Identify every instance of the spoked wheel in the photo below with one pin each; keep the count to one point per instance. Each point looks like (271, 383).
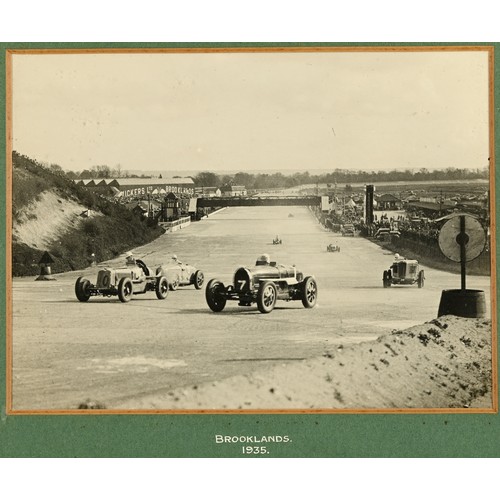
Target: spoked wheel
(309, 292)
(82, 291)
(199, 279)
(266, 297)
(161, 287)
(214, 295)
(125, 289)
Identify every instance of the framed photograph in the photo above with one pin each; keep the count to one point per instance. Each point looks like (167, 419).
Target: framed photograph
(225, 250)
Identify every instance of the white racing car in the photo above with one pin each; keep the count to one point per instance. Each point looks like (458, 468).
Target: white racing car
(180, 274)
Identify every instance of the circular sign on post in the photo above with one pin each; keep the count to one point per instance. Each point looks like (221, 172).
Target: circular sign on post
(450, 238)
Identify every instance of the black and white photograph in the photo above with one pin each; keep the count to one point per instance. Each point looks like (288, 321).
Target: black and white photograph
(251, 230)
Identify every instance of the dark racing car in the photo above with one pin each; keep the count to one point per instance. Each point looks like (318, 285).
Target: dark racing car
(263, 284)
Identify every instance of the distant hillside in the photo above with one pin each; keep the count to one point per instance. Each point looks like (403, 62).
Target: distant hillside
(51, 213)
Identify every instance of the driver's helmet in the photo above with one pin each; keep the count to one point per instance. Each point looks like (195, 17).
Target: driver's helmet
(174, 257)
(263, 259)
(129, 258)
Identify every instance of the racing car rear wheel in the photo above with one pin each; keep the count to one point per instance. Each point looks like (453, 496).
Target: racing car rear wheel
(214, 295)
(266, 297)
(125, 289)
(198, 279)
(309, 292)
(161, 287)
(421, 279)
(82, 291)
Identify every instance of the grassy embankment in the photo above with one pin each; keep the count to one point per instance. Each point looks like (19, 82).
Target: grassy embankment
(108, 235)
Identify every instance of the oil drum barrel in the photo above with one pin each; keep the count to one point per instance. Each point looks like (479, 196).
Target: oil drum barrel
(463, 303)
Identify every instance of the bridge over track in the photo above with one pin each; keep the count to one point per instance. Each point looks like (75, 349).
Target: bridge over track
(268, 201)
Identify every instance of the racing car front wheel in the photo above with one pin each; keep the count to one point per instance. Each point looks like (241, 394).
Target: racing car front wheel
(421, 279)
(309, 292)
(266, 297)
(161, 287)
(386, 279)
(198, 279)
(214, 295)
(125, 289)
(82, 291)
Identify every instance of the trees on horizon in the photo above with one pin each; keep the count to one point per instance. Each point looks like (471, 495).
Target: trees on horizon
(280, 180)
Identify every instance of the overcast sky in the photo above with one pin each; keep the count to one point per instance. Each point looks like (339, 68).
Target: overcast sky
(253, 111)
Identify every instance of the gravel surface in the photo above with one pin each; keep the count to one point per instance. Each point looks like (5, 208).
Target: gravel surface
(445, 363)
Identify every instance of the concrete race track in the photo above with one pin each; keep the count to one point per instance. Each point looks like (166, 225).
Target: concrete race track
(65, 352)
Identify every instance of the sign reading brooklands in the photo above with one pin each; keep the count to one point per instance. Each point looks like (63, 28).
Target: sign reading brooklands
(149, 189)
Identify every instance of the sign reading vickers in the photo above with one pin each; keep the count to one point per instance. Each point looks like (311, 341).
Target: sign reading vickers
(145, 190)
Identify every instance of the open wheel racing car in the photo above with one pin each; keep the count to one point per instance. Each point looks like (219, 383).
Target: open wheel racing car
(123, 282)
(263, 284)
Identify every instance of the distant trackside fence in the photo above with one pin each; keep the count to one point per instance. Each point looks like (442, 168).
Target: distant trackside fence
(175, 225)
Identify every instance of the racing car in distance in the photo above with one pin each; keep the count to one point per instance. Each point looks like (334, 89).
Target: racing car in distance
(264, 284)
(122, 282)
(348, 230)
(179, 274)
(333, 248)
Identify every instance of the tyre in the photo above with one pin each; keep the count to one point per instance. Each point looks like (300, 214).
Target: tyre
(214, 295)
(125, 289)
(385, 279)
(199, 279)
(82, 289)
(421, 279)
(266, 297)
(174, 284)
(161, 287)
(309, 292)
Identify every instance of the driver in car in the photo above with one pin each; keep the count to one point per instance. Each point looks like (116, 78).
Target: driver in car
(129, 259)
(263, 260)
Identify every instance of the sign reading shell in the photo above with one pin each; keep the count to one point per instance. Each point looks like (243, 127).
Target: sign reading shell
(450, 237)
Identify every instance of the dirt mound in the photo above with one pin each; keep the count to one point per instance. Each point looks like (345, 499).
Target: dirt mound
(43, 221)
(445, 363)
